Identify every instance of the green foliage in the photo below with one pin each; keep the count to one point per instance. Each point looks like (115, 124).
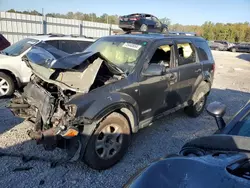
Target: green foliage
(237, 32)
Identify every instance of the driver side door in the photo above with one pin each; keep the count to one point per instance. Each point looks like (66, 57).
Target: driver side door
(154, 91)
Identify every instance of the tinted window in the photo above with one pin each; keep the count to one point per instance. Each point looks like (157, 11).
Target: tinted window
(20, 47)
(204, 51)
(242, 128)
(69, 46)
(84, 44)
(53, 43)
(186, 53)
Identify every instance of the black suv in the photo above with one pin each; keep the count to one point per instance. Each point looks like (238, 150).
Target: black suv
(142, 22)
(90, 103)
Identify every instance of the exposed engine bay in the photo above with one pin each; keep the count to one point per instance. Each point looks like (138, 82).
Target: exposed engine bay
(44, 99)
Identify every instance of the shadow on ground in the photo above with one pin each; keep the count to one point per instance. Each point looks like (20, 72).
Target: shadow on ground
(163, 137)
(244, 56)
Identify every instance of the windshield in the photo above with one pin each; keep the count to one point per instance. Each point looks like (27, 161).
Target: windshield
(121, 52)
(19, 47)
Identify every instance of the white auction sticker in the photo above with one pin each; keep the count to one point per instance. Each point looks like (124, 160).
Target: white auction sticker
(131, 46)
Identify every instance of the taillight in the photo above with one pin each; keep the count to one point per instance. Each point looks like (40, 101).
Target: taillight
(213, 68)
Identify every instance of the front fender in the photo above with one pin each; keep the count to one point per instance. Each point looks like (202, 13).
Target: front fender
(104, 105)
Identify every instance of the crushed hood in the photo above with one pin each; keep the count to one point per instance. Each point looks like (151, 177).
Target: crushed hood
(75, 72)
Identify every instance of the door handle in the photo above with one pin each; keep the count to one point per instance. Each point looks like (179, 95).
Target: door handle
(197, 70)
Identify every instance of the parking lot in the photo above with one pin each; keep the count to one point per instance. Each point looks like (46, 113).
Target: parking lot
(231, 86)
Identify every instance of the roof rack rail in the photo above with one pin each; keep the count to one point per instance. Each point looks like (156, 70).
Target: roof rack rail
(63, 35)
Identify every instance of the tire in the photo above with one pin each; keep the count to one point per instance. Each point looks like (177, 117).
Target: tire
(233, 50)
(165, 30)
(104, 139)
(7, 85)
(144, 28)
(194, 110)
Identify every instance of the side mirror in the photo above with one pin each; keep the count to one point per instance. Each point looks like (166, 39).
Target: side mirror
(154, 70)
(217, 110)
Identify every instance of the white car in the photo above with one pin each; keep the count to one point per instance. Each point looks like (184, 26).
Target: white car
(14, 72)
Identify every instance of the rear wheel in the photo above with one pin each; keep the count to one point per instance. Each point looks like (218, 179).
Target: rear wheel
(144, 28)
(109, 142)
(196, 109)
(165, 30)
(7, 85)
(233, 50)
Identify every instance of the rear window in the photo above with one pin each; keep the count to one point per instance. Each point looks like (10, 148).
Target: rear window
(204, 51)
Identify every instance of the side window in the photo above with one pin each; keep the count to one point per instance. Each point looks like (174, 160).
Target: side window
(84, 44)
(148, 17)
(54, 43)
(204, 51)
(162, 55)
(69, 46)
(186, 54)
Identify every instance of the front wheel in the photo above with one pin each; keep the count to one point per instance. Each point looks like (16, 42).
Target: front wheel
(109, 142)
(233, 50)
(196, 109)
(7, 85)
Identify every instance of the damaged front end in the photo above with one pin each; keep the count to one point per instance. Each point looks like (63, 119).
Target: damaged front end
(45, 99)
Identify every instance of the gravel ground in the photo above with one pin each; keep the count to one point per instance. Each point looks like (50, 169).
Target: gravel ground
(231, 86)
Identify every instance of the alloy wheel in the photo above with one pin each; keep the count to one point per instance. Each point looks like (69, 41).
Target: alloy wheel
(4, 86)
(109, 141)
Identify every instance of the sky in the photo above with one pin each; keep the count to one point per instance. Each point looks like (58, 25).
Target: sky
(185, 12)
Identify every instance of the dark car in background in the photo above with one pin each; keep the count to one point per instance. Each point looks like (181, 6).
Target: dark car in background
(225, 43)
(4, 43)
(241, 47)
(142, 22)
(220, 160)
(217, 46)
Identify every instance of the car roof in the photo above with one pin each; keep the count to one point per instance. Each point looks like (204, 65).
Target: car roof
(50, 37)
(144, 14)
(154, 37)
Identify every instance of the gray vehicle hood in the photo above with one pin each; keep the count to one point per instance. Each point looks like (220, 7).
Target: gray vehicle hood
(75, 72)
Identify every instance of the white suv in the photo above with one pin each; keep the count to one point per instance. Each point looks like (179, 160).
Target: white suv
(14, 72)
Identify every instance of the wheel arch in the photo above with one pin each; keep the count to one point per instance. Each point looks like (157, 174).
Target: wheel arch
(124, 109)
(12, 75)
(203, 87)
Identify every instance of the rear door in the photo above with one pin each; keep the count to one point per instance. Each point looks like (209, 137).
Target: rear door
(189, 68)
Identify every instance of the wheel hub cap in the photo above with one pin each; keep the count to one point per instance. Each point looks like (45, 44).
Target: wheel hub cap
(109, 141)
(4, 87)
